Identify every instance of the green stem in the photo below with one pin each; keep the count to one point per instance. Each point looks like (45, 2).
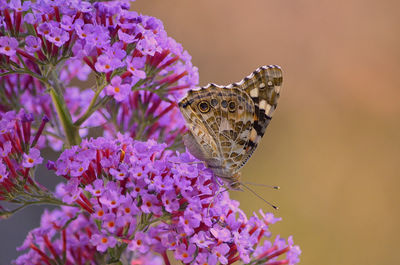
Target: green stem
(71, 132)
(92, 107)
(56, 93)
(26, 71)
(47, 201)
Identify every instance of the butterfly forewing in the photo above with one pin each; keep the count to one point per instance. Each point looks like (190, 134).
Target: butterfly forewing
(226, 123)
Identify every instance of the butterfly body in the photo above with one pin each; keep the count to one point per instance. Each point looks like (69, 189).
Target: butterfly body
(227, 122)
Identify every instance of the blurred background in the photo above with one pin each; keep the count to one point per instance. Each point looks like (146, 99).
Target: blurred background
(333, 145)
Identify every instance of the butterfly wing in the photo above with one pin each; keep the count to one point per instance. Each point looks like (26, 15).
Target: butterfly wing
(226, 123)
(199, 140)
(263, 87)
(225, 115)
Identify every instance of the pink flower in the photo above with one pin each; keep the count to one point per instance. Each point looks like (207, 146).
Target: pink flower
(140, 243)
(118, 90)
(185, 254)
(8, 45)
(220, 251)
(103, 242)
(32, 159)
(135, 65)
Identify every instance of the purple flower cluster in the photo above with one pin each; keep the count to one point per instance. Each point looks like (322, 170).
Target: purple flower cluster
(64, 235)
(108, 37)
(18, 153)
(144, 70)
(141, 195)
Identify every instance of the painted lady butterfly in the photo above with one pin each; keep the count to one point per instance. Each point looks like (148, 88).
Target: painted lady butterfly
(227, 122)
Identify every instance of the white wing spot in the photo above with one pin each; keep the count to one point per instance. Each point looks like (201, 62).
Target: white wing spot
(270, 83)
(254, 92)
(262, 85)
(263, 104)
(268, 110)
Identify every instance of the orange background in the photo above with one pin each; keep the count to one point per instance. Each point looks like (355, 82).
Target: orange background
(333, 145)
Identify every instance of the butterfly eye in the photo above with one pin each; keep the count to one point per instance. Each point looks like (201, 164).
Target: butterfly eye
(232, 106)
(203, 106)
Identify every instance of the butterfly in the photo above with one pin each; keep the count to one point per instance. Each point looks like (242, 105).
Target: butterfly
(226, 123)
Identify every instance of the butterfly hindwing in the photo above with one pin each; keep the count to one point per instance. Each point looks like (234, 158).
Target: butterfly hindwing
(199, 140)
(226, 114)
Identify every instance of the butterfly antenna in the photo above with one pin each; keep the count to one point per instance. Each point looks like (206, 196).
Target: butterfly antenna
(262, 185)
(255, 193)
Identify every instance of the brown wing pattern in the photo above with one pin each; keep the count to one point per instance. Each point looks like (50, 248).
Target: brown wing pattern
(263, 86)
(226, 123)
